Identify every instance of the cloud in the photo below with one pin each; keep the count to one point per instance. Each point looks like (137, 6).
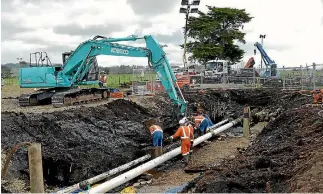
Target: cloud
(152, 7)
(9, 29)
(56, 26)
(91, 30)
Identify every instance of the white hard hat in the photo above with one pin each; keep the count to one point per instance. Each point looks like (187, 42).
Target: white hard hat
(183, 121)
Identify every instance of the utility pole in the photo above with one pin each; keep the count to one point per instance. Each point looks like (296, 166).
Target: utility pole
(187, 10)
(262, 36)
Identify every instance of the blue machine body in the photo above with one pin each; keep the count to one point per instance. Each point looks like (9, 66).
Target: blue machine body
(271, 66)
(77, 65)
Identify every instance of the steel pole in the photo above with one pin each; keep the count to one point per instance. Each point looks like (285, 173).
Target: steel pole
(185, 38)
(314, 76)
(262, 43)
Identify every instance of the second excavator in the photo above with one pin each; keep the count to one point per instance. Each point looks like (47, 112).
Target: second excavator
(59, 84)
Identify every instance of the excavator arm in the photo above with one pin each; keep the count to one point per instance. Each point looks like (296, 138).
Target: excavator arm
(78, 64)
(270, 64)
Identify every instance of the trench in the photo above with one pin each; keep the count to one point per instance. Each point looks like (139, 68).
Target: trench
(81, 143)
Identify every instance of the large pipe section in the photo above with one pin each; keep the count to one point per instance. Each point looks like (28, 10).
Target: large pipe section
(127, 176)
(105, 175)
(114, 171)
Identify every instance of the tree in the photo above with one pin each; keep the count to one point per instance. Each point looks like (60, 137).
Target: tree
(214, 34)
(5, 71)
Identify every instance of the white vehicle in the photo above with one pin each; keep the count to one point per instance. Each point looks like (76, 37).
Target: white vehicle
(216, 68)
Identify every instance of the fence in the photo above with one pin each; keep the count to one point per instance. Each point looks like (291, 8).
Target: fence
(143, 81)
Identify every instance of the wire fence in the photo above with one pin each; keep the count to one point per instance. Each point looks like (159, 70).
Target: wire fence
(143, 81)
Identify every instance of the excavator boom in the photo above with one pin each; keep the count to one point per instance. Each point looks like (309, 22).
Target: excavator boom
(78, 63)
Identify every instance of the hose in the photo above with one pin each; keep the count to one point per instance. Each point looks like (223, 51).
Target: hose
(9, 157)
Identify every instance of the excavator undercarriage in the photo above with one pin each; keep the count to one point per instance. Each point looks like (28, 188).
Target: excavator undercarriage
(60, 98)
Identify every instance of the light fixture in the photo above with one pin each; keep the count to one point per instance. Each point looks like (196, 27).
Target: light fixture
(184, 2)
(182, 10)
(196, 2)
(194, 10)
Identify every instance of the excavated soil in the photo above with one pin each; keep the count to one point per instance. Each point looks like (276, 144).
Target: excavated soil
(79, 144)
(82, 142)
(285, 157)
(265, 104)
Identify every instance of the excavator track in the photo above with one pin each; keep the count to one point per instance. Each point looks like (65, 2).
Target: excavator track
(36, 98)
(79, 96)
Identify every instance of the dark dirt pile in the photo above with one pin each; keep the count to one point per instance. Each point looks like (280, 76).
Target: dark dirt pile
(78, 144)
(285, 157)
(230, 103)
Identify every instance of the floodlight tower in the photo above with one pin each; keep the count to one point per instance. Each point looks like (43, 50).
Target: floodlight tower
(262, 36)
(188, 8)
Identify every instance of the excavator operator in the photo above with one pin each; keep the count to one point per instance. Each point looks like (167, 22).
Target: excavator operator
(102, 79)
(185, 132)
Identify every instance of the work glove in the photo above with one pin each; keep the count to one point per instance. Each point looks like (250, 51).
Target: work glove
(169, 139)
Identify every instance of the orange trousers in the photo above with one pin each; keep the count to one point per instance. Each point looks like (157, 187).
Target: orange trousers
(185, 146)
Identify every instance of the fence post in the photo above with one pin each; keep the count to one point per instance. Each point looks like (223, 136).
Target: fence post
(302, 76)
(284, 77)
(314, 75)
(246, 123)
(35, 168)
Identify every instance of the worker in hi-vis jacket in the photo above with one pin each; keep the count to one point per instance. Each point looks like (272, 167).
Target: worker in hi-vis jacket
(202, 122)
(185, 132)
(157, 138)
(157, 133)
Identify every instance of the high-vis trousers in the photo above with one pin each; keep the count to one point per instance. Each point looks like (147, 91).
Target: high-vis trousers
(185, 146)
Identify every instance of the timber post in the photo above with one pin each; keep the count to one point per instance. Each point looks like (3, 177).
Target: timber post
(246, 122)
(35, 168)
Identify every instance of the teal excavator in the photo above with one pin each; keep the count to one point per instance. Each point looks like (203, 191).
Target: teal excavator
(58, 85)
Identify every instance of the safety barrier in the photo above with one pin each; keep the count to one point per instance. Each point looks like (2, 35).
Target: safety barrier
(117, 95)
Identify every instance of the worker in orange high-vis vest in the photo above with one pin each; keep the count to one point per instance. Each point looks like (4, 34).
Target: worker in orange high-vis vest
(202, 122)
(157, 133)
(185, 132)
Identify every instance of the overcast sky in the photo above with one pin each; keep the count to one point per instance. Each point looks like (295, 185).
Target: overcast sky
(294, 28)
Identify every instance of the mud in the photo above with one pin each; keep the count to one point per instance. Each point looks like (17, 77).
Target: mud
(277, 161)
(265, 104)
(78, 144)
(82, 142)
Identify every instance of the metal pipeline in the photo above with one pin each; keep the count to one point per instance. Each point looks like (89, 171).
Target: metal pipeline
(105, 175)
(127, 176)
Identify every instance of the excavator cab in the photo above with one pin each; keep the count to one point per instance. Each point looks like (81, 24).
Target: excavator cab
(40, 59)
(93, 73)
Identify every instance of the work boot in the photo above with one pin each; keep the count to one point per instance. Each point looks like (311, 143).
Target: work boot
(154, 152)
(186, 159)
(159, 151)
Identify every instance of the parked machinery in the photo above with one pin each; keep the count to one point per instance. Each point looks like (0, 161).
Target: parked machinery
(61, 82)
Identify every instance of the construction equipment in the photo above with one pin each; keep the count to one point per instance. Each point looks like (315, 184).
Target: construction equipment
(250, 63)
(271, 66)
(318, 96)
(61, 82)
